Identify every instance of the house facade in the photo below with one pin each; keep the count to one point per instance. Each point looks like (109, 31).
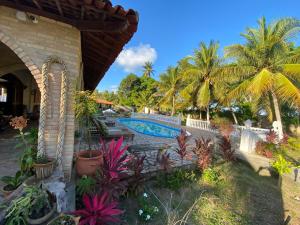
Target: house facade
(49, 49)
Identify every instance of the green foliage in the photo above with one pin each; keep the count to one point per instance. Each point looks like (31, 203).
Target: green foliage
(108, 96)
(85, 185)
(148, 69)
(85, 108)
(148, 207)
(211, 176)
(14, 182)
(177, 179)
(137, 92)
(281, 165)
(33, 199)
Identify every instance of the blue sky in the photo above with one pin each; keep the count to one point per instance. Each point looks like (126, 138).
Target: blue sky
(171, 29)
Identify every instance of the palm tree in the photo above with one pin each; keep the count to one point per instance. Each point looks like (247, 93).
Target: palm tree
(202, 76)
(169, 87)
(148, 69)
(267, 67)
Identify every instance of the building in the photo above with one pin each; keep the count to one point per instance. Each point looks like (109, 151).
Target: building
(49, 49)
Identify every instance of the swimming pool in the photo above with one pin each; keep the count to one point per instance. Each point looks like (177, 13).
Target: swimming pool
(150, 128)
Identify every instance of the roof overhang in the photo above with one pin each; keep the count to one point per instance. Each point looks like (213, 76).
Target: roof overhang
(104, 29)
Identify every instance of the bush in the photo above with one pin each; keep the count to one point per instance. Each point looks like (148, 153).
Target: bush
(177, 179)
(210, 176)
(203, 150)
(226, 149)
(148, 207)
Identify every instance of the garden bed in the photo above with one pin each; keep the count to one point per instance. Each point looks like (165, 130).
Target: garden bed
(238, 196)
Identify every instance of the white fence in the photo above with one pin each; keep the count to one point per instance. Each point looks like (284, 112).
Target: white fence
(204, 125)
(200, 124)
(162, 118)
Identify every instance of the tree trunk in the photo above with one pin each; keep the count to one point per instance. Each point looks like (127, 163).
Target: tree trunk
(234, 117)
(207, 114)
(277, 114)
(200, 115)
(173, 106)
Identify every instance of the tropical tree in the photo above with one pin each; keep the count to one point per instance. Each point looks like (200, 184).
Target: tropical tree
(202, 76)
(267, 66)
(148, 69)
(169, 88)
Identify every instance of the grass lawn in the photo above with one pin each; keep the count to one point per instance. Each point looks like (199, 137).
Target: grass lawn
(237, 196)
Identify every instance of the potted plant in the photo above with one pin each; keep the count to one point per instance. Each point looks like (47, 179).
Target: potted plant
(35, 206)
(43, 167)
(87, 161)
(12, 183)
(29, 160)
(65, 220)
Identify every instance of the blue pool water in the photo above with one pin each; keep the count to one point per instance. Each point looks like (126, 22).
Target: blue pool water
(150, 128)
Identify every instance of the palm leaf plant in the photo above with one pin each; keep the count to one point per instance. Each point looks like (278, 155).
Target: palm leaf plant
(267, 66)
(202, 76)
(169, 88)
(148, 70)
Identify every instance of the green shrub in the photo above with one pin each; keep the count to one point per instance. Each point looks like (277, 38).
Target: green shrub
(85, 185)
(210, 176)
(148, 207)
(177, 179)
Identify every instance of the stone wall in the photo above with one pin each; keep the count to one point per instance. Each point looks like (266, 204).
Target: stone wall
(33, 43)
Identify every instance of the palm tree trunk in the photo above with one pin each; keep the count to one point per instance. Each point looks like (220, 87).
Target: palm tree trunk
(200, 115)
(234, 117)
(207, 114)
(173, 106)
(277, 114)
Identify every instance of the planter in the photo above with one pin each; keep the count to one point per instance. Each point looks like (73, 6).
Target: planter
(43, 171)
(63, 219)
(43, 219)
(6, 193)
(86, 165)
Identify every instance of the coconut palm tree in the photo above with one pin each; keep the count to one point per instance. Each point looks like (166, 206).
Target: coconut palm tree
(267, 66)
(148, 69)
(169, 88)
(202, 76)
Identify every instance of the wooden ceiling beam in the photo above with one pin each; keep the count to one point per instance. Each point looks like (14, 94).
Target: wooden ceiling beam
(59, 7)
(37, 4)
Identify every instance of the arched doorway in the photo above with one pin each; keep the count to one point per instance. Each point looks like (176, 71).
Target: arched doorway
(19, 95)
(19, 92)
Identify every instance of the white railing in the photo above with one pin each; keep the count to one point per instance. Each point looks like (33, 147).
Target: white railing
(204, 125)
(158, 117)
(200, 124)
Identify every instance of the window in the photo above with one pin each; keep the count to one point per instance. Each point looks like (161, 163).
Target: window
(3, 94)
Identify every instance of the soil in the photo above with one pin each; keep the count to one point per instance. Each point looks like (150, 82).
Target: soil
(9, 188)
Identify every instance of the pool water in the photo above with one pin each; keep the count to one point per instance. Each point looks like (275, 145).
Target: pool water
(150, 128)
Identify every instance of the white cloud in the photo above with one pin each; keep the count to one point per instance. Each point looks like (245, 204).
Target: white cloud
(134, 58)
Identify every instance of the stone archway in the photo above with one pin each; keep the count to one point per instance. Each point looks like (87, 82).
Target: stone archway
(12, 45)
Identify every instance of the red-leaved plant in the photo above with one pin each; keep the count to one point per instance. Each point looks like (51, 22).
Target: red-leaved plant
(182, 145)
(271, 137)
(114, 168)
(203, 150)
(164, 161)
(226, 149)
(136, 165)
(98, 210)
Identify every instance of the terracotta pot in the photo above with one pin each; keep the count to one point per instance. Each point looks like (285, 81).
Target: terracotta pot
(6, 193)
(43, 219)
(86, 165)
(58, 219)
(43, 171)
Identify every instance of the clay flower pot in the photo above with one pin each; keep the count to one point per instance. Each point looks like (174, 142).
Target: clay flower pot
(43, 219)
(43, 170)
(5, 192)
(88, 162)
(64, 219)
